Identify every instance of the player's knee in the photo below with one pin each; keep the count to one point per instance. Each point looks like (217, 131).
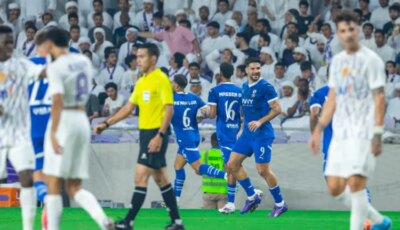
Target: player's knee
(335, 190)
(72, 190)
(26, 178)
(233, 166)
(263, 172)
(161, 181)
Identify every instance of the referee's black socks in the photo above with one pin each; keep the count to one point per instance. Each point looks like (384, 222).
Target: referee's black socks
(137, 201)
(168, 195)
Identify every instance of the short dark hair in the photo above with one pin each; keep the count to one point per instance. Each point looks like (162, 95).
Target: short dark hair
(99, 1)
(366, 1)
(213, 24)
(204, 8)
(75, 27)
(108, 51)
(379, 31)
(305, 66)
(395, 7)
(97, 15)
(265, 23)
(226, 70)
(31, 27)
(194, 64)
(58, 36)
(252, 60)
(171, 18)
(151, 48)
(181, 80)
(245, 37)
(241, 68)
(294, 38)
(187, 22)
(346, 16)
(5, 30)
(266, 37)
(129, 59)
(73, 15)
(178, 58)
(358, 12)
(111, 85)
(304, 3)
(47, 13)
(158, 14)
(40, 37)
(226, 1)
(88, 51)
(293, 23)
(391, 62)
(368, 24)
(279, 64)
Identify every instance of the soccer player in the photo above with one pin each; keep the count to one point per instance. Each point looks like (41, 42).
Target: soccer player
(154, 98)
(356, 103)
(187, 134)
(15, 140)
(260, 105)
(225, 101)
(67, 138)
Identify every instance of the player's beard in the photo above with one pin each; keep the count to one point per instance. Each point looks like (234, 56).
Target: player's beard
(255, 77)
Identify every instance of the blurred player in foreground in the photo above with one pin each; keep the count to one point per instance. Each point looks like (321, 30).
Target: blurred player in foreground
(356, 103)
(260, 105)
(153, 96)
(187, 134)
(15, 140)
(67, 140)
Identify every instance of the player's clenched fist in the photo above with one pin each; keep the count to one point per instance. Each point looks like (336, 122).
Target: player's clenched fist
(254, 125)
(315, 142)
(99, 128)
(376, 144)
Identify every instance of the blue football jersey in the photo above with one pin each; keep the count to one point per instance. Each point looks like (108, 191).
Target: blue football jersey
(227, 97)
(318, 99)
(184, 119)
(39, 103)
(255, 105)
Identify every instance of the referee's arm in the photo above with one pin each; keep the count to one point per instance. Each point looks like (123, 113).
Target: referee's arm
(156, 143)
(120, 115)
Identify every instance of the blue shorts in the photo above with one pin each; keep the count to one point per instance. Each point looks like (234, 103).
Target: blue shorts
(226, 149)
(38, 147)
(190, 153)
(262, 148)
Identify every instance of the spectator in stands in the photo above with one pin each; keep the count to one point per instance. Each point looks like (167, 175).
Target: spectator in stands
(307, 73)
(170, 6)
(301, 107)
(14, 17)
(96, 89)
(316, 46)
(123, 6)
(131, 75)
(180, 14)
(216, 57)
(386, 52)
(144, 18)
(288, 98)
(278, 78)
(263, 27)
(394, 13)
(212, 40)
(73, 20)
(292, 42)
(98, 8)
(230, 30)
(394, 40)
(364, 7)
(120, 33)
(176, 65)
(4, 22)
(114, 101)
(238, 17)
(380, 15)
(71, 7)
(242, 43)
(194, 74)
(268, 61)
(36, 8)
(185, 23)
(92, 107)
(111, 72)
(240, 76)
(251, 21)
(264, 40)
(197, 89)
(178, 38)
(74, 35)
(392, 79)
(196, 5)
(300, 55)
(304, 19)
(46, 18)
(98, 23)
(369, 39)
(100, 43)
(393, 109)
(126, 48)
(28, 47)
(200, 28)
(157, 22)
(223, 13)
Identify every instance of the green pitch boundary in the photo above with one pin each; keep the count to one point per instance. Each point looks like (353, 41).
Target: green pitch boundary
(77, 219)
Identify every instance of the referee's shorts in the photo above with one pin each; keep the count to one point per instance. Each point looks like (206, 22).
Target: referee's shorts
(151, 160)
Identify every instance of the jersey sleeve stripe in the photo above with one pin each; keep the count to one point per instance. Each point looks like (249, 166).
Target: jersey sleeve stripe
(273, 99)
(212, 103)
(315, 105)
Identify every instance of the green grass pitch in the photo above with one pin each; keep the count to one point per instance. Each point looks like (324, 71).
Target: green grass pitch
(77, 219)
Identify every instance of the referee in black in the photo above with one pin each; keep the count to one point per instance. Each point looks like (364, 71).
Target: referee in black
(154, 97)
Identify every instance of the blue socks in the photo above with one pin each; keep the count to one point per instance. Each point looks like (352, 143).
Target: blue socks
(41, 190)
(211, 171)
(179, 181)
(231, 193)
(247, 186)
(276, 194)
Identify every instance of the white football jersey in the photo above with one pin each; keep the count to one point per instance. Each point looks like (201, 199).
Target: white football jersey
(15, 75)
(71, 76)
(354, 76)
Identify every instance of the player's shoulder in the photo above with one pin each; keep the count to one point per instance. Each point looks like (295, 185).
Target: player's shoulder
(372, 58)
(321, 92)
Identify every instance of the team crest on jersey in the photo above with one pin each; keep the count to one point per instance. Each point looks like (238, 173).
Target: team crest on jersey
(253, 94)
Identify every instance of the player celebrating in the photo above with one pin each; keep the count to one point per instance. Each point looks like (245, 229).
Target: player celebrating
(187, 134)
(15, 141)
(67, 141)
(356, 102)
(224, 101)
(153, 96)
(260, 105)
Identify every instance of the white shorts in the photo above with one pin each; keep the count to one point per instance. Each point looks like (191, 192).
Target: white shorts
(21, 156)
(350, 157)
(73, 135)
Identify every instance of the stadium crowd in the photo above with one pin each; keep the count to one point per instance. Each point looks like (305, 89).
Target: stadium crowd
(294, 39)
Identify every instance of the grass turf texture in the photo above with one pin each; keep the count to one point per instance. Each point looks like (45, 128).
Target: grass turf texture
(77, 219)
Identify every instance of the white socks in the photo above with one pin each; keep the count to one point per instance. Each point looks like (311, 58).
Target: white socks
(344, 197)
(89, 203)
(374, 216)
(28, 207)
(359, 209)
(54, 208)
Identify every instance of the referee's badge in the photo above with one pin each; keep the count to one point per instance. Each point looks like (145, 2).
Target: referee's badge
(146, 96)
